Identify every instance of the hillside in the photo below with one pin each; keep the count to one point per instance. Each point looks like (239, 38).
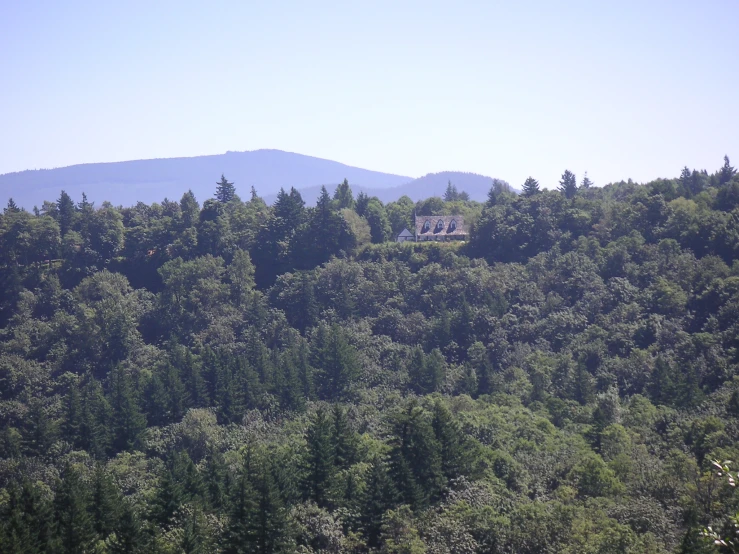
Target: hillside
(238, 377)
(433, 184)
(125, 183)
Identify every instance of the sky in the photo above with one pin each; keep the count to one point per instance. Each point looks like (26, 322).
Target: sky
(628, 89)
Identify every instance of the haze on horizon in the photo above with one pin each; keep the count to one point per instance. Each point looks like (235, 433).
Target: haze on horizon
(630, 89)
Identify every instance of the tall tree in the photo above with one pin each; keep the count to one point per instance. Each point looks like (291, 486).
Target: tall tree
(71, 508)
(586, 182)
(343, 197)
(530, 187)
(727, 172)
(225, 191)
(65, 212)
(568, 184)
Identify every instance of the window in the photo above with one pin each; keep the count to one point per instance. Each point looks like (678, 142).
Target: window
(453, 225)
(426, 226)
(440, 225)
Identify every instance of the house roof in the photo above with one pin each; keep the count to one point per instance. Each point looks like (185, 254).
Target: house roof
(446, 227)
(405, 233)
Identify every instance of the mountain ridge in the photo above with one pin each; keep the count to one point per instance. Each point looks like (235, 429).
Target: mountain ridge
(151, 180)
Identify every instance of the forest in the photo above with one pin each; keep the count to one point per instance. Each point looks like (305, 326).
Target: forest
(232, 377)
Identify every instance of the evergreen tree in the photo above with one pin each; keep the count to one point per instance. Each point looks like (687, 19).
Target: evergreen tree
(336, 362)
(319, 458)
(343, 197)
(415, 458)
(65, 213)
(96, 420)
(344, 440)
(379, 497)
(12, 207)
(270, 528)
(225, 191)
(530, 187)
(586, 182)
(568, 184)
(129, 423)
(74, 525)
(451, 194)
(106, 503)
(455, 454)
(239, 536)
(361, 204)
(726, 173)
(129, 537)
(379, 223)
(190, 209)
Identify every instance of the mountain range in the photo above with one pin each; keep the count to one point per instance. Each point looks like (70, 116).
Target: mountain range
(125, 183)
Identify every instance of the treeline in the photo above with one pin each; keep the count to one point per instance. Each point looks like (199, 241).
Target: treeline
(243, 378)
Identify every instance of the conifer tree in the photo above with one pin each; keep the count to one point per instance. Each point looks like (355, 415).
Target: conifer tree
(12, 207)
(225, 191)
(336, 362)
(530, 187)
(586, 182)
(343, 197)
(239, 536)
(451, 194)
(343, 439)
(129, 536)
(74, 526)
(379, 496)
(65, 213)
(319, 458)
(726, 173)
(106, 503)
(455, 454)
(568, 184)
(129, 423)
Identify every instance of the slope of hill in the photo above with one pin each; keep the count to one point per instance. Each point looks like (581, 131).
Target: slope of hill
(433, 184)
(125, 183)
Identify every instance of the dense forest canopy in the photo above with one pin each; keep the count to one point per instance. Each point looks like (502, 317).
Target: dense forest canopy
(233, 377)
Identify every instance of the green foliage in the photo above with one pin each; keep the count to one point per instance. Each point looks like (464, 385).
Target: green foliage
(243, 378)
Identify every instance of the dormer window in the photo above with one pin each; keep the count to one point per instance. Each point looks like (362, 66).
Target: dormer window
(426, 226)
(453, 226)
(440, 226)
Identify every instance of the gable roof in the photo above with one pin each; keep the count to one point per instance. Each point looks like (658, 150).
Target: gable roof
(446, 228)
(405, 233)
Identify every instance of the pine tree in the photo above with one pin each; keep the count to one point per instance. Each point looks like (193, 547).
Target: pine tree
(568, 184)
(319, 458)
(129, 423)
(238, 536)
(530, 187)
(586, 182)
(190, 209)
(343, 197)
(336, 362)
(455, 454)
(451, 194)
(74, 526)
(225, 191)
(361, 204)
(96, 420)
(129, 538)
(726, 173)
(344, 440)
(379, 496)
(106, 503)
(12, 207)
(415, 458)
(270, 529)
(65, 213)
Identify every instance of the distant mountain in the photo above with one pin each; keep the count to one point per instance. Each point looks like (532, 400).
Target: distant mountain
(433, 184)
(125, 183)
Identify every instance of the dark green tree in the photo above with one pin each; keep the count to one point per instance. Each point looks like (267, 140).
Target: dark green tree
(319, 458)
(225, 191)
(65, 213)
(568, 184)
(74, 524)
(530, 187)
(128, 422)
(343, 197)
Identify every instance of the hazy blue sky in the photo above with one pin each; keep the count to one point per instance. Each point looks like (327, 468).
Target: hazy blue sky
(508, 89)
